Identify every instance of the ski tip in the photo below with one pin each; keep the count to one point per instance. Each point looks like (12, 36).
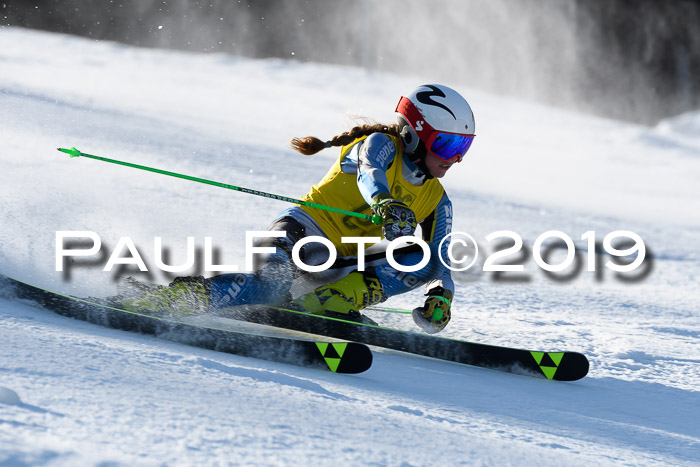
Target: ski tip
(572, 367)
(353, 357)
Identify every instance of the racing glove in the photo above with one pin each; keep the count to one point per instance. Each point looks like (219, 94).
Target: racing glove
(434, 315)
(398, 220)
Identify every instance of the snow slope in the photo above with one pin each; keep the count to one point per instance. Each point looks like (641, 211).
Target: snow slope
(73, 393)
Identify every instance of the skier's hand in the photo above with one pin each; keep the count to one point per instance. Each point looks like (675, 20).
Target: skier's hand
(398, 220)
(434, 315)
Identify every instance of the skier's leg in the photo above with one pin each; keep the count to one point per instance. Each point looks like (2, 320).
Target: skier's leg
(273, 275)
(396, 282)
(379, 281)
(196, 295)
(269, 284)
(348, 295)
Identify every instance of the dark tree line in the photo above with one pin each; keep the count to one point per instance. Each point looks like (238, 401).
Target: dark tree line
(632, 59)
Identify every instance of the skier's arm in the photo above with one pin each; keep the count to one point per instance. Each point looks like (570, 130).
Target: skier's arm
(434, 315)
(375, 156)
(435, 228)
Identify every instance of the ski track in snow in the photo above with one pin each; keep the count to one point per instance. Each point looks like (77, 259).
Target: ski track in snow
(74, 393)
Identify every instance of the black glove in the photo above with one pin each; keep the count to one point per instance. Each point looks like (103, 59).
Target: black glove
(398, 219)
(434, 315)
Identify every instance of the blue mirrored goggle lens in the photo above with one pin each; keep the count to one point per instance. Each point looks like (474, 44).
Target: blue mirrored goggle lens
(448, 145)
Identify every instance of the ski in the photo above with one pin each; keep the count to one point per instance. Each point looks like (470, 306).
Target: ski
(557, 365)
(337, 357)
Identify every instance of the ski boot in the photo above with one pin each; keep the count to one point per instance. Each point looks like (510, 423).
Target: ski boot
(344, 297)
(185, 296)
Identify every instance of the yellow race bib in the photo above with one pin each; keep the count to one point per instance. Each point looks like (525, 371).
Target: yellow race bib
(339, 190)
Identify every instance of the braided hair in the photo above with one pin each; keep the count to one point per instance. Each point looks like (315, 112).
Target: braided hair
(310, 145)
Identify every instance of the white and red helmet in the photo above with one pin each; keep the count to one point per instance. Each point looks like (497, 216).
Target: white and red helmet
(439, 117)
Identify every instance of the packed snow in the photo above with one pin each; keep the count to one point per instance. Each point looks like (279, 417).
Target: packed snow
(74, 393)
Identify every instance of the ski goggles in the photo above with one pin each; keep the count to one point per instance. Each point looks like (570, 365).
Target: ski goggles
(448, 145)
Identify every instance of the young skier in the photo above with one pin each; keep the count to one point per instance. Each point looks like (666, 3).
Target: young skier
(387, 170)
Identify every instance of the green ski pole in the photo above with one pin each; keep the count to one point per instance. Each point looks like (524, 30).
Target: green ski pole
(76, 153)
